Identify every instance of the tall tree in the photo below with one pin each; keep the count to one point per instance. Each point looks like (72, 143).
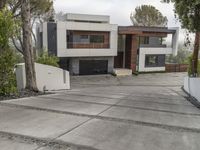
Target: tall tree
(24, 11)
(41, 10)
(147, 15)
(27, 46)
(188, 12)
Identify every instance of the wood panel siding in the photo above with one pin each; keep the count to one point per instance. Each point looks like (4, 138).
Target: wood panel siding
(118, 60)
(176, 67)
(134, 49)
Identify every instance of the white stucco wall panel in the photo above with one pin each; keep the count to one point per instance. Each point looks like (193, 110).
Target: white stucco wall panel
(153, 51)
(87, 17)
(62, 28)
(48, 77)
(175, 41)
(192, 86)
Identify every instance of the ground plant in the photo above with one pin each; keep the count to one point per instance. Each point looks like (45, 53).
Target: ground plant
(7, 75)
(191, 67)
(47, 59)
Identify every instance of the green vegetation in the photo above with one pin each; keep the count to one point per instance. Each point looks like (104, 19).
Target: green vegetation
(7, 56)
(188, 13)
(190, 72)
(180, 58)
(20, 17)
(7, 28)
(7, 75)
(47, 59)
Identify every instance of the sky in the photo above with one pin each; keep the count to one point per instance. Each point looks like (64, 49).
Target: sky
(118, 10)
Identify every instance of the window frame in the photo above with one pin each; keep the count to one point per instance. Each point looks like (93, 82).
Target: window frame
(159, 60)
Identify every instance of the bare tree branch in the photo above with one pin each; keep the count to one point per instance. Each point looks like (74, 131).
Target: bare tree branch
(15, 45)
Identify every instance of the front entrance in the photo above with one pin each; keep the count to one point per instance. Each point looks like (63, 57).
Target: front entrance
(93, 67)
(127, 52)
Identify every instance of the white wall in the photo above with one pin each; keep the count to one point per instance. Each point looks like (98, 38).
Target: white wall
(149, 51)
(87, 17)
(62, 28)
(192, 86)
(175, 40)
(52, 78)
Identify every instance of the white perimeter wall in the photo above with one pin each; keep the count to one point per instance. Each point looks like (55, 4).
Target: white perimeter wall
(62, 28)
(151, 51)
(52, 78)
(192, 86)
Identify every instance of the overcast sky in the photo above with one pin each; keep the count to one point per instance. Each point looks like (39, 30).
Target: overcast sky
(118, 10)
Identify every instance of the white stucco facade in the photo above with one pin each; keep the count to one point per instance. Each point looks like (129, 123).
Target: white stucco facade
(151, 51)
(63, 51)
(192, 86)
(88, 17)
(175, 40)
(80, 22)
(143, 51)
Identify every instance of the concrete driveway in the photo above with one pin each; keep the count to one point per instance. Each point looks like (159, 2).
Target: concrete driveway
(145, 112)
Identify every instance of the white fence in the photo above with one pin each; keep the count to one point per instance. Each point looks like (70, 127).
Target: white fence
(47, 77)
(192, 86)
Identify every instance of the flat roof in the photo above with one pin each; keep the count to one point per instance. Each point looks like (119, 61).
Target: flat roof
(143, 29)
(87, 17)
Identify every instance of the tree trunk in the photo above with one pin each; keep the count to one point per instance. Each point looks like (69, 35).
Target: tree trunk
(27, 47)
(196, 54)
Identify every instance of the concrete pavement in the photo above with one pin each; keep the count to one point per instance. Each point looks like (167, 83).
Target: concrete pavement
(103, 112)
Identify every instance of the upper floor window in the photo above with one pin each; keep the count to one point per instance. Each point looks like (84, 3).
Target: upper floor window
(88, 39)
(144, 40)
(97, 38)
(84, 36)
(154, 60)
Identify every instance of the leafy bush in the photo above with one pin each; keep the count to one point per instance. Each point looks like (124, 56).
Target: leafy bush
(181, 58)
(7, 75)
(190, 67)
(19, 57)
(7, 28)
(46, 59)
(7, 57)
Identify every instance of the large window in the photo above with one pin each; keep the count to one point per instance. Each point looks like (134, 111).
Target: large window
(84, 37)
(154, 60)
(96, 38)
(88, 39)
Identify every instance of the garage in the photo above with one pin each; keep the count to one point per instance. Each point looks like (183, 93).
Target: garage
(93, 67)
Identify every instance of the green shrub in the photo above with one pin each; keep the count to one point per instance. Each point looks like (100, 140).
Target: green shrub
(190, 67)
(7, 75)
(46, 59)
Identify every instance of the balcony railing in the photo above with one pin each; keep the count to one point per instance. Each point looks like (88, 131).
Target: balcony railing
(79, 45)
(154, 45)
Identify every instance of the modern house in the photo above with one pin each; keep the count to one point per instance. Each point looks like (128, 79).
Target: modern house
(89, 44)
(85, 44)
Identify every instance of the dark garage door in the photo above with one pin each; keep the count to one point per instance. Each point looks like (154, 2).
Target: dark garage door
(93, 67)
